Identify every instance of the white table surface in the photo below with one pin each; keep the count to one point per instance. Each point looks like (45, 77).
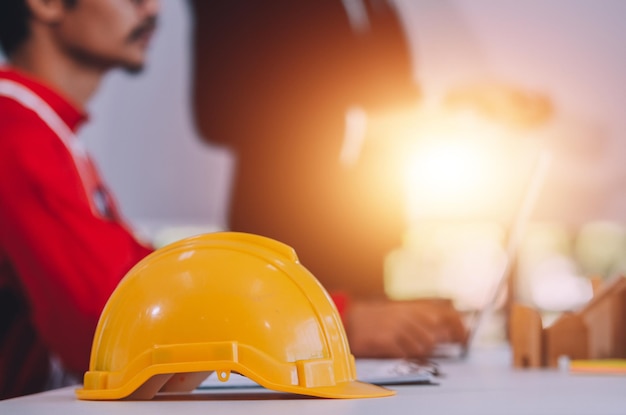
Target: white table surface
(483, 384)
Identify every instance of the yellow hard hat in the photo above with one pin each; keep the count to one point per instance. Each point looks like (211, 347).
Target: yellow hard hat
(224, 302)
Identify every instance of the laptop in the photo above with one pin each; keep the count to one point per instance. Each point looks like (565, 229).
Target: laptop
(515, 236)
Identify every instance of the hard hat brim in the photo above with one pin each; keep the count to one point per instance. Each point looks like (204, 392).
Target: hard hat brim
(345, 390)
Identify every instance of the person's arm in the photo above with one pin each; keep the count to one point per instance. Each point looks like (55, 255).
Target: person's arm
(401, 329)
(68, 259)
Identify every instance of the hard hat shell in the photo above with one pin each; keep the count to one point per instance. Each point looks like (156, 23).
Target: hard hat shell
(225, 302)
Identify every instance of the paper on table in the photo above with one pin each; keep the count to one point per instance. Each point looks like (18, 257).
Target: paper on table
(393, 372)
(377, 371)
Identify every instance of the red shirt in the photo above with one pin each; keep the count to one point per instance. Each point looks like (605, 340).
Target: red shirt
(63, 246)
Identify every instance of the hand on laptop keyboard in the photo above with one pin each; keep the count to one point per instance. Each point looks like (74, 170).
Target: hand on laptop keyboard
(402, 329)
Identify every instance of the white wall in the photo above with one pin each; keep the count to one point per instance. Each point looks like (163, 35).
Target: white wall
(144, 139)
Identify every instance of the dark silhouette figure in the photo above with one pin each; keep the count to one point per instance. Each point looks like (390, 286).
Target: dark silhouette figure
(272, 81)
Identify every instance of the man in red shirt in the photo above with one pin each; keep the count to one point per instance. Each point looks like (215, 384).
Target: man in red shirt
(63, 245)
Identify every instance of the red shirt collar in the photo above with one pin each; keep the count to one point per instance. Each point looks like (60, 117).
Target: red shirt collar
(72, 115)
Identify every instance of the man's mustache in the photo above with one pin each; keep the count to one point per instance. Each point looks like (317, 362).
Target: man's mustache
(146, 27)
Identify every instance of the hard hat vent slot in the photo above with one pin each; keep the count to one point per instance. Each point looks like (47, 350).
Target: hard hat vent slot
(223, 376)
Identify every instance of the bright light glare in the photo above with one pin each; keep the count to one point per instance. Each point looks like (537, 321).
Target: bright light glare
(454, 164)
(458, 168)
(449, 171)
(449, 177)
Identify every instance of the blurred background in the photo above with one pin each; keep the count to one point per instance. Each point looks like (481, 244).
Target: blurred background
(491, 85)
